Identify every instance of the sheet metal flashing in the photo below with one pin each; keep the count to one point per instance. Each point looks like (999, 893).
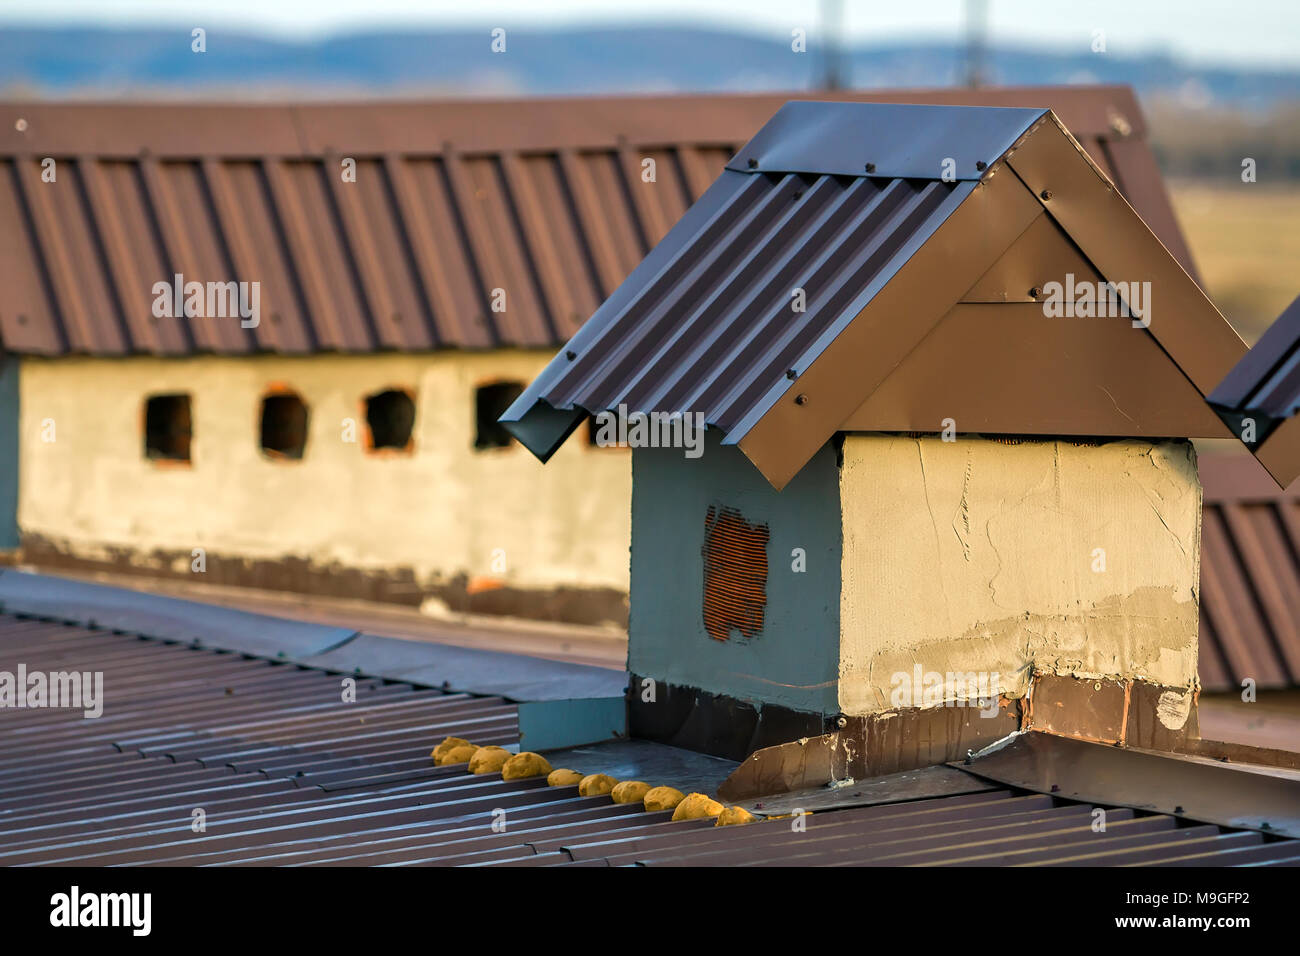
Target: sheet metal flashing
(515, 677)
(188, 622)
(886, 141)
(559, 724)
(908, 785)
(1206, 791)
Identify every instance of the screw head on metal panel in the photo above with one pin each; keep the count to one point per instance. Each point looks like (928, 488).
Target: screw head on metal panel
(791, 374)
(20, 124)
(801, 399)
(1178, 809)
(842, 723)
(1046, 194)
(1035, 292)
(981, 165)
(570, 355)
(798, 193)
(871, 167)
(753, 163)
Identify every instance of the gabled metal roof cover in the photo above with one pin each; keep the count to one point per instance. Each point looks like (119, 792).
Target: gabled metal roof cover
(709, 322)
(787, 296)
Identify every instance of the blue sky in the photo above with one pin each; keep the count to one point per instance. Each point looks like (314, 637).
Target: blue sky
(1237, 32)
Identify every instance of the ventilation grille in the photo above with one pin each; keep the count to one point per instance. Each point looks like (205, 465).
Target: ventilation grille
(735, 574)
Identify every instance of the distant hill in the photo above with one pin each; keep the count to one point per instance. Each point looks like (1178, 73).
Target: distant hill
(103, 62)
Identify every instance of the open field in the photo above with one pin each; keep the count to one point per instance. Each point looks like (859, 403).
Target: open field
(1245, 238)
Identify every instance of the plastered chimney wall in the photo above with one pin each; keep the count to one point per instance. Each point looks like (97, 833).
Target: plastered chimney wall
(982, 556)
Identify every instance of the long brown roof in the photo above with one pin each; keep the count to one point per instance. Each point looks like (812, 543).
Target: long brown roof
(295, 776)
(1250, 577)
(542, 198)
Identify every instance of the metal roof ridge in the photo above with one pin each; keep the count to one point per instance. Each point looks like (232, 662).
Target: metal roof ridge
(885, 140)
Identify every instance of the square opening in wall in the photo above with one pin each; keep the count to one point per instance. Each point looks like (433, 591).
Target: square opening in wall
(390, 418)
(490, 403)
(284, 426)
(735, 574)
(168, 427)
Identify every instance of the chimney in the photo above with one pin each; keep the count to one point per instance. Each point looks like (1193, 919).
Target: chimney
(900, 573)
(948, 380)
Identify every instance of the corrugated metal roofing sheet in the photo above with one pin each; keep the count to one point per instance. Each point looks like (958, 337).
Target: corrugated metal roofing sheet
(542, 198)
(713, 317)
(287, 773)
(1250, 577)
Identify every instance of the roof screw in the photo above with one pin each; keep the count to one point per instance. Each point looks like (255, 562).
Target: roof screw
(1046, 194)
(842, 723)
(570, 355)
(20, 124)
(801, 399)
(753, 163)
(1265, 825)
(791, 374)
(871, 167)
(1178, 809)
(1056, 788)
(970, 757)
(981, 165)
(1035, 292)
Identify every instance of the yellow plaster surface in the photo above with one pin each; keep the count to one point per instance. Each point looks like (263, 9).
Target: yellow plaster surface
(443, 510)
(978, 556)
